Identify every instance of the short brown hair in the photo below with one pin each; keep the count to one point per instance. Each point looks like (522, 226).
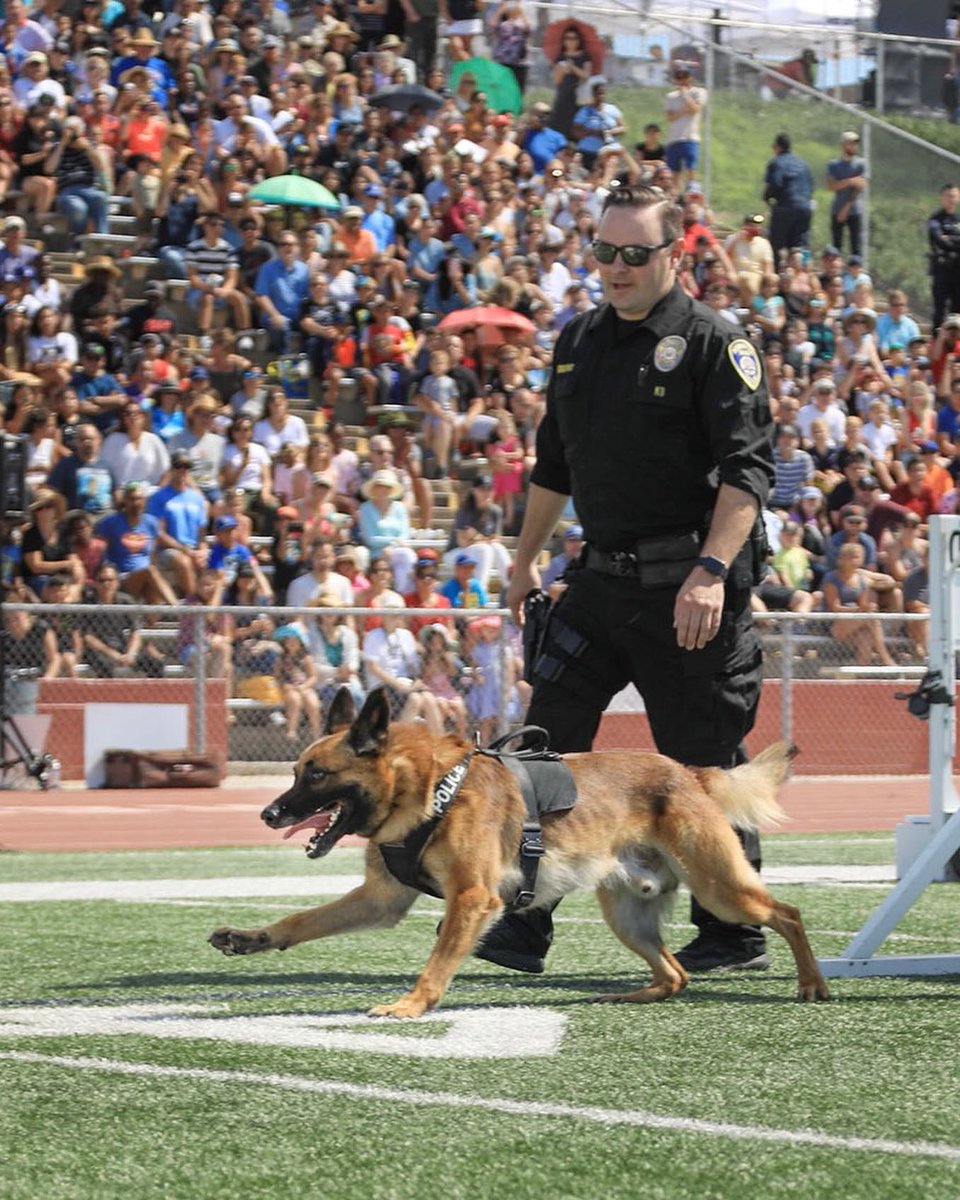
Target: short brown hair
(642, 196)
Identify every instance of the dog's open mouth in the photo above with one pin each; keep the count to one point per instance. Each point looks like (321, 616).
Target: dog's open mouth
(328, 824)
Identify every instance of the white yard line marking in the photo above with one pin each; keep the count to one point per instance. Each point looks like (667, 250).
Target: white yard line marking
(454, 1034)
(150, 890)
(519, 1108)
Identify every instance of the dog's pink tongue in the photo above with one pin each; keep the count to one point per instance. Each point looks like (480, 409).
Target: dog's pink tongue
(317, 821)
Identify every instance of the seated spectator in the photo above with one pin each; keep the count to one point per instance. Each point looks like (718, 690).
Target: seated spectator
(51, 351)
(335, 650)
(130, 535)
(297, 676)
(572, 547)
(43, 450)
(74, 162)
(181, 514)
(79, 539)
(216, 643)
(914, 493)
(279, 425)
(437, 397)
(440, 671)
(391, 660)
(380, 593)
(880, 439)
(228, 555)
(213, 272)
(853, 521)
(60, 590)
(133, 453)
(321, 579)
(916, 599)
(254, 650)
(425, 592)
(247, 465)
(251, 397)
(113, 642)
(204, 447)
(477, 530)
(383, 524)
(793, 468)
(30, 654)
(282, 286)
(463, 590)
(906, 549)
(822, 405)
(848, 588)
(44, 548)
(167, 418)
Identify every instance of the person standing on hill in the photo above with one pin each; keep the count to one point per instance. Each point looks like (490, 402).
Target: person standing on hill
(847, 179)
(789, 189)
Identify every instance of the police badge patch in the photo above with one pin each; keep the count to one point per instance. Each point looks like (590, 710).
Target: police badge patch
(746, 363)
(669, 352)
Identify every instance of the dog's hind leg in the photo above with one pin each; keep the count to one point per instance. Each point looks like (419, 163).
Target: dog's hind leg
(735, 894)
(636, 922)
(469, 912)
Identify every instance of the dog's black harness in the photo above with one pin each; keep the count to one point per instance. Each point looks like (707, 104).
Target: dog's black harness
(546, 785)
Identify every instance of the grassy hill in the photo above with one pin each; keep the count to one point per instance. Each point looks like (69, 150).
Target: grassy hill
(905, 179)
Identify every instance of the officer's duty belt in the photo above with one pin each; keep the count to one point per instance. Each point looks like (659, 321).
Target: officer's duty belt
(658, 562)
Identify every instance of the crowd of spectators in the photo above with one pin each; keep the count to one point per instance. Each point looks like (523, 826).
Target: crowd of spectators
(184, 446)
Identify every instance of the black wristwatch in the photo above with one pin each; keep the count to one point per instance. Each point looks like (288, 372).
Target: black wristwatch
(716, 566)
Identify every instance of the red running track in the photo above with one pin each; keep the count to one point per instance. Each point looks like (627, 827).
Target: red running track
(165, 819)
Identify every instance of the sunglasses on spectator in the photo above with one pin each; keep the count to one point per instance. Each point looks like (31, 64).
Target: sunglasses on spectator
(633, 256)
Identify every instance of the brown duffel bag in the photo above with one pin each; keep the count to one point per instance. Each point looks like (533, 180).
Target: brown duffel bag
(162, 768)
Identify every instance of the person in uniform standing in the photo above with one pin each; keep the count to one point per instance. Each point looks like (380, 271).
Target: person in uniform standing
(658, 425)
(943, 233)
(789, 188)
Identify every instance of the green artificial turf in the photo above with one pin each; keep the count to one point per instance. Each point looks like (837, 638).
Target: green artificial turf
(876, 1063)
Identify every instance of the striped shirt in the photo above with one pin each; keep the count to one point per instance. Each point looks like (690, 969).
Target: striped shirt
(791, 476)
(211, 261)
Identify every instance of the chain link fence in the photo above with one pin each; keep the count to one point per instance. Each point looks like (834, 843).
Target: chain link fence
(255, 684)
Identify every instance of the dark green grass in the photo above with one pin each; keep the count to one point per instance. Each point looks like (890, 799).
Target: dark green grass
(878, 1062)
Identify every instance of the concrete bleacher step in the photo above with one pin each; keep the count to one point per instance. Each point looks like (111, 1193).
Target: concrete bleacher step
(122, 224)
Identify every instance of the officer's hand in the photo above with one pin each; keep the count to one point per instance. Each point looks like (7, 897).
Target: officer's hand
(521, 582)
(699, 607)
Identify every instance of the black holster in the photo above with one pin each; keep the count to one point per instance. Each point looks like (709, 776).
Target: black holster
(536, 614)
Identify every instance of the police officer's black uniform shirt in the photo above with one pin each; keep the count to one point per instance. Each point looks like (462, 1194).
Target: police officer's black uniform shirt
(943, 232)
(646, 419)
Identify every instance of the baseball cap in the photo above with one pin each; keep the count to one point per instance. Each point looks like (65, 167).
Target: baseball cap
(929, 447)
(181, 458)
(849, 135)
(135, 487)
(13, 222)
(198, 373)
(574, 532)
(868, 483)
(226, 522)
(854, 511)
(372, 189)
(94, 350)
(427, 557)
(810, 493)
(464, 560)
(353, 210)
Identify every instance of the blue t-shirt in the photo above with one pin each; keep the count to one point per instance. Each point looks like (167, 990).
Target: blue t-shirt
(128, 546)
(472, 596)
(184, 513)
(228, 559)
(543, 145)
(286, 288)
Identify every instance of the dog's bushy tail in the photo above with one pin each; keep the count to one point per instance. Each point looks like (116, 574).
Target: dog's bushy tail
(748, 793)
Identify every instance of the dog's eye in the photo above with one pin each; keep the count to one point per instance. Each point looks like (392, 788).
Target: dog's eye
(315, 773)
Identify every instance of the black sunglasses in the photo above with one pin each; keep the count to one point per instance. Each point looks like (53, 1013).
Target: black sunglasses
(633, 256)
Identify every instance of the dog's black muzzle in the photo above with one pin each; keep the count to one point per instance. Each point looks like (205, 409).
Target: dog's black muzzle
(277, 814)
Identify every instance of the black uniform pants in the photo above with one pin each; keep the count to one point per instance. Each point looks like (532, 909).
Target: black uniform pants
(945, 281)
(854, 226)
(789, 227)
(606, 632)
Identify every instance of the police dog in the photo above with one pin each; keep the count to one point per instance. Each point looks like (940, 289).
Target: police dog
(636, 813)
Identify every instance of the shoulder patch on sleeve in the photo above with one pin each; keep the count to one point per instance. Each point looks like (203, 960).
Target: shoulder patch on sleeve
(746, 362)
(563, 368)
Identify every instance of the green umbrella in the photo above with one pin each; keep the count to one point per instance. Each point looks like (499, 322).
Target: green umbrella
(295, 190)
(499, 82)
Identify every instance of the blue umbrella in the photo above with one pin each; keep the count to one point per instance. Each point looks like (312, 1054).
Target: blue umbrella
(295, 190)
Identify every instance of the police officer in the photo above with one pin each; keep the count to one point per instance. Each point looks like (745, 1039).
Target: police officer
(943, 233)
(658, 424)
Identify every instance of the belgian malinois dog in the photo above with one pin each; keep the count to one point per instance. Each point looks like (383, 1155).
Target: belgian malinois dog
(378, 779)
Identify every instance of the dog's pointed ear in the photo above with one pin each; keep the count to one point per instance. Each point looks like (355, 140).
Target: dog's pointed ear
(369, 731)
(343, 711)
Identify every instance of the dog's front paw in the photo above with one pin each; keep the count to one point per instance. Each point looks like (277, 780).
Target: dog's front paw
(403, 1009)
(240, 941)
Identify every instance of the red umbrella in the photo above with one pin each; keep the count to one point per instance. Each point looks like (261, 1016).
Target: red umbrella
(486, 316)
(592, 43)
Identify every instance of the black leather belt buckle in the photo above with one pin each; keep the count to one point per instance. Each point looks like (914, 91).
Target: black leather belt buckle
(622, 563)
